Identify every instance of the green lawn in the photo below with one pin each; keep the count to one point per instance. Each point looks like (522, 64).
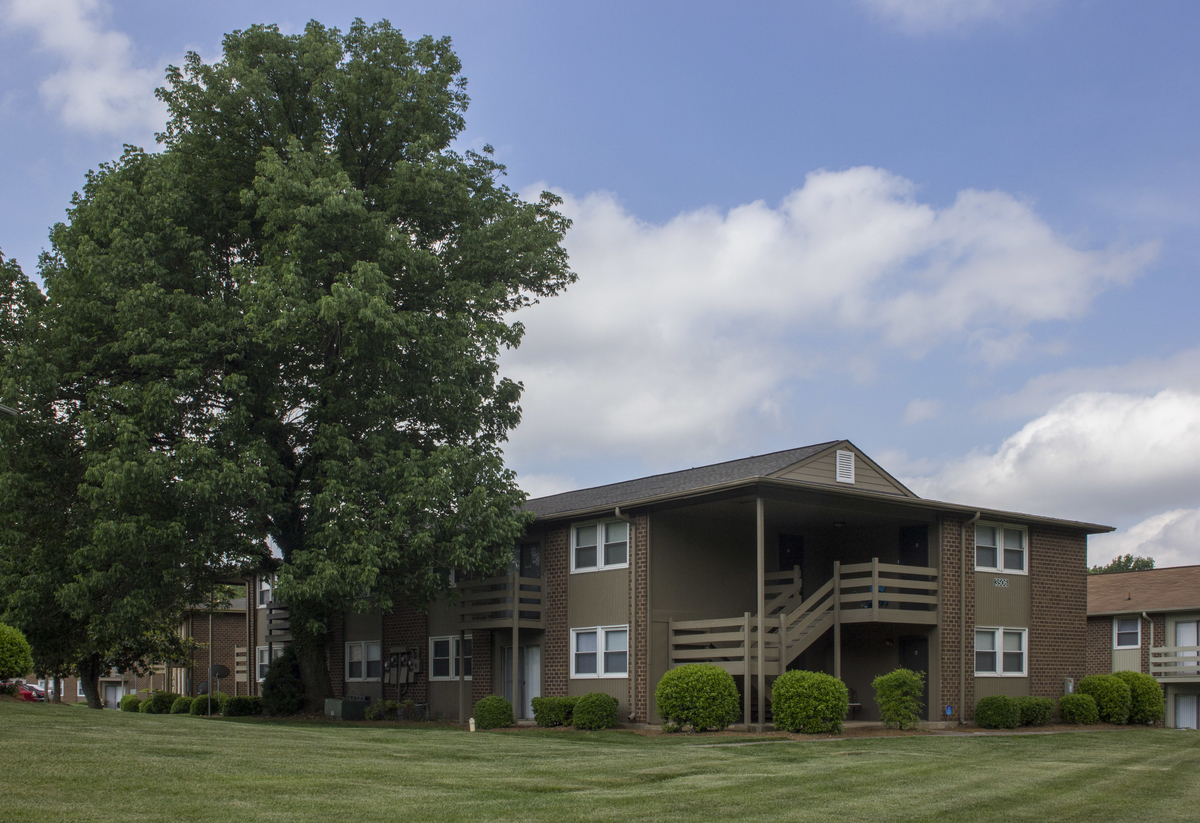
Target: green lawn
(70, 764)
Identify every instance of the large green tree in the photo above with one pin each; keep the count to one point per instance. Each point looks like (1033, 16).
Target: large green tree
(286, 325)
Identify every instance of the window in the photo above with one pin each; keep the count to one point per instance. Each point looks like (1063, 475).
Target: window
(1000, 548)
(596, 546)
(845, 467)
(79, 688)
(443, 658)
(1127, 633)
(600, 652)
(263, 657)
(1000, 652)
(264, 592)
(363, 661)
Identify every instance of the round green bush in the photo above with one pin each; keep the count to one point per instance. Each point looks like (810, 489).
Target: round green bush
(809, 702)
(241, 706)
(553, 711)
(1035, 711)
(130, 703)
(1078, 708)
(282, 688)
(145, 706)
(997, 711)
(493, 712)
(898, 695)
(595, 711)
(1146, 703)
(699, 695)
(1112, 696)
(16, 656)
(200, 706)
(161, 702)
(182, 705)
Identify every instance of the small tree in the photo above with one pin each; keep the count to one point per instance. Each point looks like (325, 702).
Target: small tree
(282, 689)
(16, 660)
(1124, 563)
(898, 695)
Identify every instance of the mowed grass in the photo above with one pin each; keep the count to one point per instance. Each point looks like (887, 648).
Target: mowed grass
(65, 763)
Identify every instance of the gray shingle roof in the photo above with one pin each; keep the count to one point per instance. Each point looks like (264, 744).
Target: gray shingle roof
(616, 494)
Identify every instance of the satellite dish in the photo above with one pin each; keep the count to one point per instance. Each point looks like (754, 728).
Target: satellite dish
(220, 671)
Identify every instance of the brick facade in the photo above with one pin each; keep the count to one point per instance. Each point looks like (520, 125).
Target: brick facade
(952, 599)
(1099, 646)
(1058, 622)
(228, 631)
(639, 620)
(556, 642)
(406, 627)
(481, 666)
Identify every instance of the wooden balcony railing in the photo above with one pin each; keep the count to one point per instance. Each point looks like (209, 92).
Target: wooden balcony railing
(488, 604)
(1175, 662)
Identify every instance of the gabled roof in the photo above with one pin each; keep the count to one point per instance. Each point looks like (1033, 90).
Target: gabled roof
(1154, 590)
(657, 485)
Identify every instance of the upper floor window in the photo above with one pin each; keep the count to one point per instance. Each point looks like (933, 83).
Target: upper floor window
(1127, 633)
(602, 545)
(363, 661)
(1001, 548)
(264, 592)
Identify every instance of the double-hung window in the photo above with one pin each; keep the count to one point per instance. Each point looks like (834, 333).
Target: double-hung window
(1000, 652)
(1001, 548)
(264, 592)
(1127, 633)
(601, 545)
(602, 651)
(264, 655)
(363, 661)
(443, 658)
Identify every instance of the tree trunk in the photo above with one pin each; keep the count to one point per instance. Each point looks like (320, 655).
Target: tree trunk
(310, 653)
(89, 679)
(58, 689)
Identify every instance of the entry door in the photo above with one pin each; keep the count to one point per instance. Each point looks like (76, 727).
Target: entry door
(112, 695)
(1186, 711)
(529, 663)
(914, 655)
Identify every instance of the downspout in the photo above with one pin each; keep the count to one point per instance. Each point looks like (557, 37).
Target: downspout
(962, 621)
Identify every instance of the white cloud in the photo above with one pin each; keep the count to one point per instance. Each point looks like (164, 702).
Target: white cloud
(99, 88)
(1171, 538)
(928, 16)
(919, 410)
(1104, 457)
(1142, 376)
(685, 340)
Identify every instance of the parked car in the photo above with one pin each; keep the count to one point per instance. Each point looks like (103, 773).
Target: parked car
(27, 694)
(39, 694)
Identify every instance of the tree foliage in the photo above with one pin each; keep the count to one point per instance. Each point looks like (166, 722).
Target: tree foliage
(1124, 563)
(285, 325)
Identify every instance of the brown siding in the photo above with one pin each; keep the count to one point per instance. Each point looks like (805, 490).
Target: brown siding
(1002, 606)
(598, 598)
(1058, 630)
(823, 469)
(1010, 686)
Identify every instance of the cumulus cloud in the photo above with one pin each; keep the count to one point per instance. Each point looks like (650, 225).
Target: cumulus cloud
(1171, 538)
(930, 16)
(99, 87)
(681, 339)
(919, 410)
(1099, 456)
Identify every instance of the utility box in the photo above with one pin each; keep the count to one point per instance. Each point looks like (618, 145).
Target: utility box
(1068, 685)
(346, 709)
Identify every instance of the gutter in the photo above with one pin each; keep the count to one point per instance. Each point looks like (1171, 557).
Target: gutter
(962, 621)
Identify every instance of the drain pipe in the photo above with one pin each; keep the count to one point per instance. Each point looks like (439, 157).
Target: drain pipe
(962, 621)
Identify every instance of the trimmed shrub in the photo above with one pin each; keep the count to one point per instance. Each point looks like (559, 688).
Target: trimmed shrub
(384, 710)
(998, 711)
(1078, 708)
(16, 656)
(144, 706)
(9, 689)
(130, 703)
(553, 711)
(1112, 696)
(493, 712)
(595, 711)
(241, 706)
(200, 705)
(809, 702)
(1146, 703)
(161, 702)
(182, 705)
(898, 695)
(1035, 711)
(699, 695)
(282, 688)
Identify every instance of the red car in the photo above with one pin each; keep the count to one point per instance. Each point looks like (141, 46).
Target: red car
(26, 693)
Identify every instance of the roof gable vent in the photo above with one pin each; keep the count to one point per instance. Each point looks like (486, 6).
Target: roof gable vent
(845, 466)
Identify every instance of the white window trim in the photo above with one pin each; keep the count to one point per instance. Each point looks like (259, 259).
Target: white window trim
(346, 662)
(600, 674)
(265, 584)
(999, 567)
(452, 677)
(1116, 622)
(999, 644)
(600, 565)
(275, 651)
(79, 687)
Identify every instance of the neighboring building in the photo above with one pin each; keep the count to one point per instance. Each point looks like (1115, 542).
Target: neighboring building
(1148, 622)
(812, 558)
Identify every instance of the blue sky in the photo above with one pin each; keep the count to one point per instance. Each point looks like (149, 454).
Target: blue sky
(961, 233)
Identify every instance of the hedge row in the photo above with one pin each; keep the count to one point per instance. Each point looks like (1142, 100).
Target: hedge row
(1119, 698)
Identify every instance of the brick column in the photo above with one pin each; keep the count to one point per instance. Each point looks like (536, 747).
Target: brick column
(639, 642)
(1098, 656)
(557, 640)
(953, 604)
(481, 666)
(1058, 623)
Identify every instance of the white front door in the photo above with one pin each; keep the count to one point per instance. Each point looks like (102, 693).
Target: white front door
(529, 670)
(112, 695)
(1185, 711)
